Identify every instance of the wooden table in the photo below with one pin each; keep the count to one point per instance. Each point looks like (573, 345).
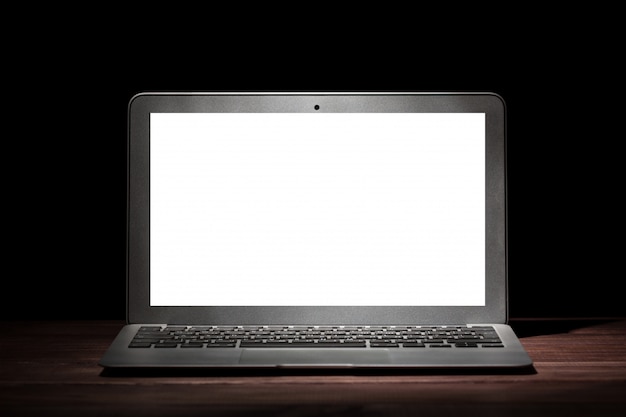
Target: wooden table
(50, 368)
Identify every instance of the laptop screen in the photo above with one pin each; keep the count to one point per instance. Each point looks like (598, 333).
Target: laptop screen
(317, 209)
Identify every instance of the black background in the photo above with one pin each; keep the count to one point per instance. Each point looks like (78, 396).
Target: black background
(65, 155)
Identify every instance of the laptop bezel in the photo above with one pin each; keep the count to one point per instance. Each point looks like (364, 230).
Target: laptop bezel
(141, 105)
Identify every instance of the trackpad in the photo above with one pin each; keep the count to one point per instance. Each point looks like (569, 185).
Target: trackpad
(314, 357)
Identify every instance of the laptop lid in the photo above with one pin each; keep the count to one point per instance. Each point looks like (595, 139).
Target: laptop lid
(314, 208)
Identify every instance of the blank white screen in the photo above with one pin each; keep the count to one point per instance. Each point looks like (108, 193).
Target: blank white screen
(292, 209)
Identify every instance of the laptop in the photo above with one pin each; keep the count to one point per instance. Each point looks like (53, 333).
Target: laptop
(316, 230)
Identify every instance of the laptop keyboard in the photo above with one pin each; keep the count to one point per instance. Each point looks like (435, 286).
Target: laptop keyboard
(401, 337)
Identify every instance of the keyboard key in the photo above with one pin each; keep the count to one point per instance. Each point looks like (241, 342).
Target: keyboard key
(493, 345)
(224, 341)
(333, 343)
(379, 344)
(174, 328)
(465, 345)
(221, 345)
(252, 341)
(469, 338)
(301, 343)
(139, 345)
(412, 344)
(150, 329)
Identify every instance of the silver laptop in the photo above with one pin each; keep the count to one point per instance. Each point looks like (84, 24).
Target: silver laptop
(317, 230)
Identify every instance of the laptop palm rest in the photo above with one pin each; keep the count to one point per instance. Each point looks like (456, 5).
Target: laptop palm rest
(304, 357)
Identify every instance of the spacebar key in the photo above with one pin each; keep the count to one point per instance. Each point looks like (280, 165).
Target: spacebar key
(340, 345)
(303, 345)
